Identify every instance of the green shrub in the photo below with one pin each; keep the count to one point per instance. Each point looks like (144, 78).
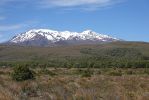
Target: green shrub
(21, 73)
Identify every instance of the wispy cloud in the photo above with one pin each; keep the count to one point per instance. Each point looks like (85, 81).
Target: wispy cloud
(69, 3)
(23, 25)
(15, 28)
(10, 27)
(83, 4)
(86, 4)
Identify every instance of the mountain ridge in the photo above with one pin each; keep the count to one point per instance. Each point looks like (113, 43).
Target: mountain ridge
(47, 37)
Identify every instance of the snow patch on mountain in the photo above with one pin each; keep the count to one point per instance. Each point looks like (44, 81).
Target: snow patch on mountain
(55, 36)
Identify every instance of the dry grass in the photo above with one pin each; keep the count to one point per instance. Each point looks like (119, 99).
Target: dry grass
(67, 85)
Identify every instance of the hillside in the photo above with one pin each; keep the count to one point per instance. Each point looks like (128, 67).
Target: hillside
(106, 54)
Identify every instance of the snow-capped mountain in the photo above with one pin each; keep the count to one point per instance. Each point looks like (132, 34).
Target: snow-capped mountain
(45, 37)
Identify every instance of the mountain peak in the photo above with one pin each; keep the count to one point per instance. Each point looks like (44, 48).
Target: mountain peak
(41, 30)
(89, 32)
(52, 36)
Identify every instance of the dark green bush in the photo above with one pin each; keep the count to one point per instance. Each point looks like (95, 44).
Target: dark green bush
(21, 73)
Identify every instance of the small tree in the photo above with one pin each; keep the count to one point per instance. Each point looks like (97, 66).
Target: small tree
(21, 73)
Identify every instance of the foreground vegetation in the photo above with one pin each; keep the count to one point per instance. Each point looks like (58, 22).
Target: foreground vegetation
(77, 84)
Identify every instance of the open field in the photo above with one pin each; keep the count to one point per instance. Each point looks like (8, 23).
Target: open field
(72, 84)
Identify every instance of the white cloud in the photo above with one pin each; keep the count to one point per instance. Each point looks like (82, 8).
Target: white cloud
(65, 3)
(62, 2)
(89, 4)
(78, 3)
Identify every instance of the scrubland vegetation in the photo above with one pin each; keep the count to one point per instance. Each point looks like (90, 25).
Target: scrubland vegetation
(117, 54)
(114, 71)
(77, 84)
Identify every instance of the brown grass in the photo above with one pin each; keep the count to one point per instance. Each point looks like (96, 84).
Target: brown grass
(67, 85)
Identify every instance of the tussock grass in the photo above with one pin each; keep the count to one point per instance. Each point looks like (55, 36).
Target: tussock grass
(67, 85)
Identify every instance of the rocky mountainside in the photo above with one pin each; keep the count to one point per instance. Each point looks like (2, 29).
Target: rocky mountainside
(46, 37)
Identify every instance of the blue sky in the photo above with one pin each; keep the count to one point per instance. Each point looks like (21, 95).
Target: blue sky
(125, 19)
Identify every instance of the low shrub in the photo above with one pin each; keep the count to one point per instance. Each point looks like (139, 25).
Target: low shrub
(21, 73)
